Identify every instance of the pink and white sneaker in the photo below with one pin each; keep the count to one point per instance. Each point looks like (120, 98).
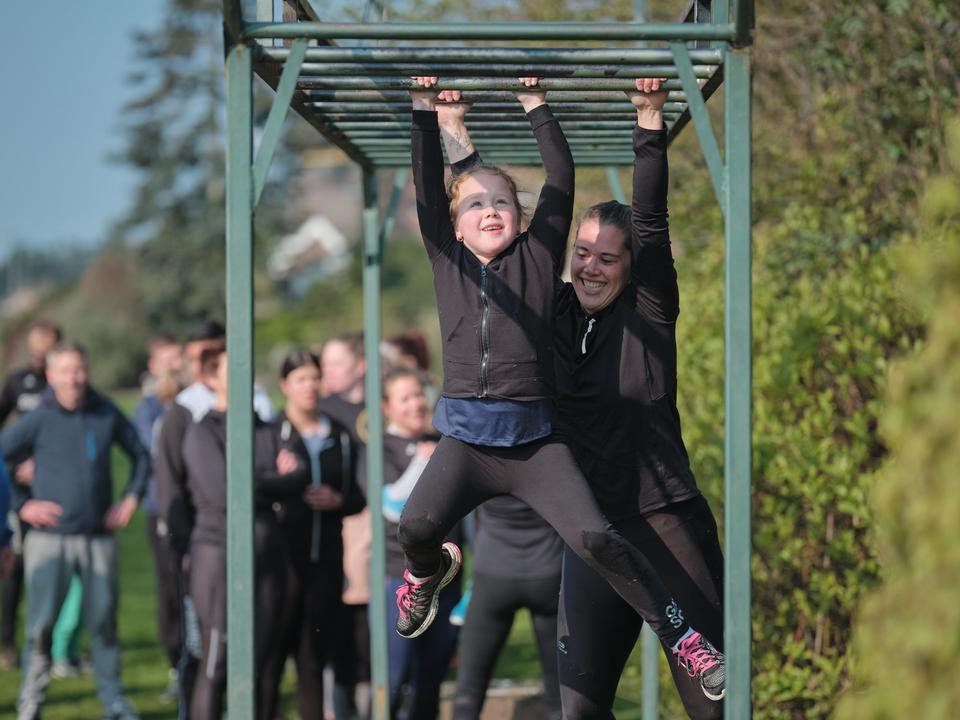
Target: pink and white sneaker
(418, 601)
(702, 660)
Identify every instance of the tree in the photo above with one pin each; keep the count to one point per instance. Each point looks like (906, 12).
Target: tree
(907, 629)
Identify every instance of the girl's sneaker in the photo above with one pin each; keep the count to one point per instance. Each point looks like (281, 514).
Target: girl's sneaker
(418, 601)
(702, 660)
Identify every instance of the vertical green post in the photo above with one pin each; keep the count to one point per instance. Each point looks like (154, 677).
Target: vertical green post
(239, 201)
(372, 391)
(649, 644)
(737, 384)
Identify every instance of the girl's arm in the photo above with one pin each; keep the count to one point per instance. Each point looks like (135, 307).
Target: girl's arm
(551, 220)
(652, 269)
(433, 206)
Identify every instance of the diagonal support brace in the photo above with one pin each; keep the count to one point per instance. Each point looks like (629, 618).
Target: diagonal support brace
(390, 216)
(701, 119)
(616, 187)
(278, 112)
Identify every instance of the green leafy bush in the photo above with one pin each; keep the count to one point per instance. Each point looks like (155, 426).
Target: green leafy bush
(907, 642)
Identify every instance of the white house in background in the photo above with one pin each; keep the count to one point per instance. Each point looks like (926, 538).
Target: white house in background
(315, 251)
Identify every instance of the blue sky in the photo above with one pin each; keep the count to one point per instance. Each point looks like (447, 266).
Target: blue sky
(63, 88)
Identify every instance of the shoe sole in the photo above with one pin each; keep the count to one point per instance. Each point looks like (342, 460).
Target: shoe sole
(456, 559)
(715, 698)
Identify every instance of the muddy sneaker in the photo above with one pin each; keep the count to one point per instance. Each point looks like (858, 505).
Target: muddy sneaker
(702, 660)
(418, 602)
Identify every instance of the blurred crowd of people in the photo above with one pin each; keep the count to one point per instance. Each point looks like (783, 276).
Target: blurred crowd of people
(312, 534)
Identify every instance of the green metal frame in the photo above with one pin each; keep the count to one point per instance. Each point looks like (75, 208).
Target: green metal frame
(356, 96)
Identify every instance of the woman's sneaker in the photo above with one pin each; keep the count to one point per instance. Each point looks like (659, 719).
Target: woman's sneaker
(418, 601)
(702, 660)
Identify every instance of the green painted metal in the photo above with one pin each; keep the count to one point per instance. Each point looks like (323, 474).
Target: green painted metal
(720, 11)
(239, 259)
(373, 113)
(278, 112)
(616, 186)
(358, 99)
(701, 119)
(398, 137)
(371, 334)
(650, 673)
(451, 71)
(491, 31)
(737, 384)
(387, 82)
(313, 94)
(390, 216)
(484, 55)
(491, 128)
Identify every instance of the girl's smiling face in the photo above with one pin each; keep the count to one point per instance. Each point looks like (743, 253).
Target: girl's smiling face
(487, 215)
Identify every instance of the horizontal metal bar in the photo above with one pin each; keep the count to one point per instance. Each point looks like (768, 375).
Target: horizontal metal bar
(474, 96)
(486, 70)
(353, 129)
(387, 83)
(510, 142)
(516, 55)
(583, 31)
(581, 161)
(585, 160)
(621, 136)
(372, 119)
(489, 108)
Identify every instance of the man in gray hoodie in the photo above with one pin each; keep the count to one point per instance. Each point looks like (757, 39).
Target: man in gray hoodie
(71, 509)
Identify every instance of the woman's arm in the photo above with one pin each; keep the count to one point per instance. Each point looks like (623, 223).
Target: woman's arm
(652, 269)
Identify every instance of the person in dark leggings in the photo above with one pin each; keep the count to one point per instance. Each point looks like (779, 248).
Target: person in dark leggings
(420, 664)
(311, 524)
(516, 565)
(617, 386)
(278, 473)
(496, 294)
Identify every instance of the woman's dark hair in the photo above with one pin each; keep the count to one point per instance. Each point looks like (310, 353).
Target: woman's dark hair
(612, 213)
(297, 359)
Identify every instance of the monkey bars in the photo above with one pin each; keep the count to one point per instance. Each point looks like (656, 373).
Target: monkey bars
(356, 96)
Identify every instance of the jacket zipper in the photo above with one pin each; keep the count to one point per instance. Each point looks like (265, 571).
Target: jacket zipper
(484, 332)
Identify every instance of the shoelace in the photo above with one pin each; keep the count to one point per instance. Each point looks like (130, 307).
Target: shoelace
(696, 657)
(406, 598)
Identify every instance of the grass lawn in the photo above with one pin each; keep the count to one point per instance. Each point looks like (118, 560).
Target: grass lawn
(144, 668)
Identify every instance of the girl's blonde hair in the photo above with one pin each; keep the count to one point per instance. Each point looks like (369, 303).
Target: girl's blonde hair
(453, 187)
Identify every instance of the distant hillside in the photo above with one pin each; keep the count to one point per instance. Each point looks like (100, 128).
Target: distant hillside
(25, 268)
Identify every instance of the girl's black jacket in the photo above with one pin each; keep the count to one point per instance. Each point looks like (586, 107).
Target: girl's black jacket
(496, 321)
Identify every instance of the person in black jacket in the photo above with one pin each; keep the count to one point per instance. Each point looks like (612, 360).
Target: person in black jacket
(279, 473)
(617, 389)
(22, 390)
(313, 542)
(496, 295)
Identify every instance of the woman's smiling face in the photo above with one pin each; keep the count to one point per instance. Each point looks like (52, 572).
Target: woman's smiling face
(600, 265)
